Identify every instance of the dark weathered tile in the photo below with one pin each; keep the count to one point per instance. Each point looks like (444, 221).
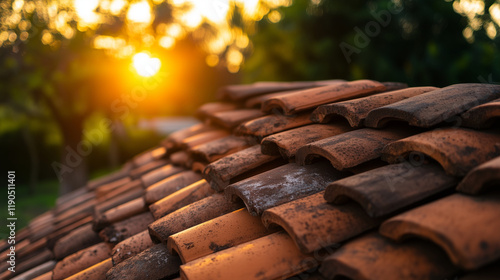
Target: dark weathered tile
(482, 178)
(482, 116)
(122, 230)
(131, 247)
(271, 124)
(81, 260)
(214, 150)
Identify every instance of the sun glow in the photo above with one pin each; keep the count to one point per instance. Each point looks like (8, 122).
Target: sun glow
(145, 65)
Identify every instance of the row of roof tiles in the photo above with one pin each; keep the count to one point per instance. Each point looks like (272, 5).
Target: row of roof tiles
(362, 179)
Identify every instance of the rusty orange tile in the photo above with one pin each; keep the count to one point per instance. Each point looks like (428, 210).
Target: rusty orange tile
(45, 276)
(356, 110)
(63, 231)
(131, 247)
(30, 247)
(107, 188)
(311, 98)
(84, 208)
(231, 119)
(135, 184)
(120, 213)
(271, 124)
(34, 272)
(458, 150)
(482, 116)
(465, 227)
(29, 262)
(136, 173)
(240, 92)
(372, 256)
(119, 198)
(170, 185)
(256, 102)
(149, 156)
(75, 196)
(174, 140)
(270, 257)
(76, 240)
(352, 148)
(203, 138)
(220, 172)
(159, 174)
(122, 230)
(208, 109)
(97, 271)
(432, 108)
(214, 150)
(288, 142)
(282, 185)
(314, 224)
(179, 158)
(152, 263)
(481, 178)
(180, 198)
(93, 184)
(81, 260)
(390, 188)
(191, 215)
(216, 235)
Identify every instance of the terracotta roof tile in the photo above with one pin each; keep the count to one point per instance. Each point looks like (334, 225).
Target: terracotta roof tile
(203, 138)
(481, 178)
(76, 240)
(36, 271)
(80, 199)
(45, 276)
(131, 247)
(31, 261)
(63, 231)
(119, 231)
(288, 142)
(130, 186)
(309, 99)
(84, 208)
(208, 109)
(152, 263)
(271, 124)
(159, 174)
(136, 173)
(432, 108)
(465, 227)
(356, 110)
(97, 271)
(214, 150)
(231, 119)
(119, 198)
(191, 215)
(93, 184)
(271, 257)
(390, 188)
(281, 185)
(170, 185)
(149, 156)
(220, 172)
(352, 148)
(81, 260)
(372, 256)
(109, 187)
(216, 235)
(314, 224)
(256, 101)
(482, 116)
(181, 198)
(198, 166)
(458, 150)
(174, 140)
(179, 158)
(120, 213)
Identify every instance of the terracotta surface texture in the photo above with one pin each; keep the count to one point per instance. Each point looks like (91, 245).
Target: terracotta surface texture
(131, 247)
(481, 178)
(434, 107)
(474, 240)
(356, 110)
(458, 150)
(170, 185)
(231, 119)
(208, 109)
(175, 139)
(97, 271)
(214, 150)
(120, 213)
(126, 228)
(271, 124)
(482, 116)
(282, 185)
(81, 260)
(159, 174)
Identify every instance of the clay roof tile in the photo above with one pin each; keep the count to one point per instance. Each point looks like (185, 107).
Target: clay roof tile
(131, 247)
(81, 260)
(214, 150)
(122, 230)
(271, 124)
(481, 178)
(170, 185)
(482, 116)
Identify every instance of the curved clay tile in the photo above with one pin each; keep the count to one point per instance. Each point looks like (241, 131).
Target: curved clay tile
(95, 183)
(76, 240)
(135, 184)
(75, 197)
(63, 231)
(120, 213)
(270, 257)
(34, 272)
(149, 156)
(432, 108)
(311, 98)
(131, 247)
(214, 107)
(256, 102)
(281, 185)
(271, 124)
(220, 172)
(170, 185)
(30, 262)
(481, 178)
(214, 150)
(356, 110)
(352, 148)
(191, 215)
(314, 224)
(373, 257)
(159, 174)
(136, 173)
(81, 260)
(198, 166)
(152, 263)
(202, 138)
(231, 119)
(288, 142)
(45, 276)
(458, 150)
(482, 116)
(216, 235)
(107, 188)
(119, 199)
(180, 198)
(174, 140)
(465, 227)
(119, 231)
(179, 158)
(97, 271)
(390, 188)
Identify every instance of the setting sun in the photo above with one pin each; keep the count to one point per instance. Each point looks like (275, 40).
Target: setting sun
(145, 65)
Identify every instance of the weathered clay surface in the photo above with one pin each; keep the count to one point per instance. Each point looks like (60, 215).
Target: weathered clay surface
(131, 247)
(119, 231)
(482, 116)
(481, 178)
(271, 124)
(170, 185)
(231, 119)
(81, 260)
(97, 271)
(76, 240)
(214, 150)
